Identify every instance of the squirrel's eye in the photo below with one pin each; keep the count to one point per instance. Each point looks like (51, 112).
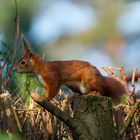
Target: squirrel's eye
(22, 62)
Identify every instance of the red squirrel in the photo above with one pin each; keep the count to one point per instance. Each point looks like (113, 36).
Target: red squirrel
(79, 76)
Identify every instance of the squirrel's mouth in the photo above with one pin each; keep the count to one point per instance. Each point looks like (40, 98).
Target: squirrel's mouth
(14, 69)
(17, 70)
(22, 71)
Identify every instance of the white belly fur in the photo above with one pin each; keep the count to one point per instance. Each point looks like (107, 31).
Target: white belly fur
(77, 84)
(41, 80)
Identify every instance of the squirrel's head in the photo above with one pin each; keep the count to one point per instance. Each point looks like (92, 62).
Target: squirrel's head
(26, 63)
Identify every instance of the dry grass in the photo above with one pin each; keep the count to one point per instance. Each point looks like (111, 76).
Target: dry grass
(35, 123)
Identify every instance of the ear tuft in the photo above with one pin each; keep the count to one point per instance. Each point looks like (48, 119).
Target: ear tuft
(25, 44)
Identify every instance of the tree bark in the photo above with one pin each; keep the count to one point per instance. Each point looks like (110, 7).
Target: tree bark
(95, 113)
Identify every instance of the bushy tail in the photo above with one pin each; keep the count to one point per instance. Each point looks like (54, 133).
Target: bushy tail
(115, 89)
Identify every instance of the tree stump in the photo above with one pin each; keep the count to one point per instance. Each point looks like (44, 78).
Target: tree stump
(95, 113)
(92, 117)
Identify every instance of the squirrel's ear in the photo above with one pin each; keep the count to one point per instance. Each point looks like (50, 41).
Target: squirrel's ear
(25, 45)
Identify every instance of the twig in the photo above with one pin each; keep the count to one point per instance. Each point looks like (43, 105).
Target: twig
(133, 81)
(138, 84)
(123, 74)
(6, 79)
(37, 117)
(16, 119)
(129, 118)
(106, 69)
(129, 77)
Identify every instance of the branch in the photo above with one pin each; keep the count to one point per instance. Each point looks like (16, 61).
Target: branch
(63, 116)
(107, 70)
(77, 128)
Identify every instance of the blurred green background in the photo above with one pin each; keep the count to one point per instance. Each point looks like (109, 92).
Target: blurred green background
(103, 32)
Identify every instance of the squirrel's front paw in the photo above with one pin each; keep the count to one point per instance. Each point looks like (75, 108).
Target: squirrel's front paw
(36, 97)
